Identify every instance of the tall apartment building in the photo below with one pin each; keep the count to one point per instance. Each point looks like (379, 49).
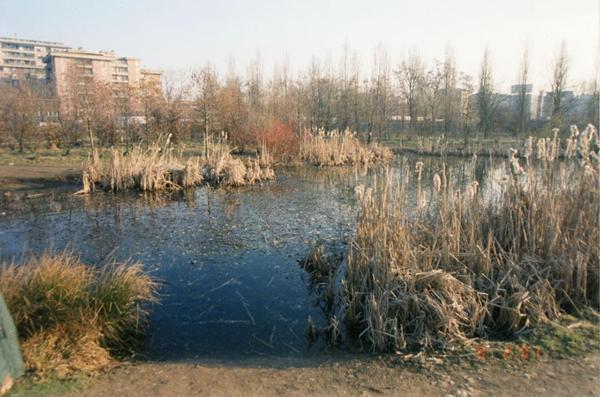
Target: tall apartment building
(24, 59)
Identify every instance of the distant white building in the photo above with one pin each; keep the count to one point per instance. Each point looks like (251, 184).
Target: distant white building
(531, 100)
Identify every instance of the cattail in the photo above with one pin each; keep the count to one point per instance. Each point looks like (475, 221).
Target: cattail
(437, 183)
(528, 148)
(554, 145)
(516, 168)
(419, 169)
(541, 149)
(472, 190)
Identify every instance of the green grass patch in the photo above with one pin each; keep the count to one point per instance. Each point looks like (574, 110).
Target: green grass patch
(32, 387)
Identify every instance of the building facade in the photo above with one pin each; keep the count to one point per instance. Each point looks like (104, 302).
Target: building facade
(523, 95)
(57, 66)
(63, 68)
(24, 59)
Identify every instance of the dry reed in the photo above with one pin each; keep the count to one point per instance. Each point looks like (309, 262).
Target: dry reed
(335, 148)
(463, 264)
(159, 168)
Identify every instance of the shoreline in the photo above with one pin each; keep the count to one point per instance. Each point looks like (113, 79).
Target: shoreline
(37, 176)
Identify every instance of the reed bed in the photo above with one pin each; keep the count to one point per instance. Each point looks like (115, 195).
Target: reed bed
(336, 148)
(441, 146)
(464, 264)
(72, 317)
(160, 168)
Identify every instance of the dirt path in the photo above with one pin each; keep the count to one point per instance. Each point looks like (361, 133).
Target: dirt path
(567, 377)
(23, 177)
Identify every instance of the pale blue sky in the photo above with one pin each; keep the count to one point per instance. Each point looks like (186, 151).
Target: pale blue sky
(184, 34)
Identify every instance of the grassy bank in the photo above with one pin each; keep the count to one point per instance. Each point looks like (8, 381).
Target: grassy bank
(468, 145)
(72, 317)
(463, 264)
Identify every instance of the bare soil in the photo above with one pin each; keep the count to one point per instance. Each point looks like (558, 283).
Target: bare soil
(367, 377)
(26, 177)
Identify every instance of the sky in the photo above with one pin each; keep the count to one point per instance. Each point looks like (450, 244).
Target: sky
(183, 35)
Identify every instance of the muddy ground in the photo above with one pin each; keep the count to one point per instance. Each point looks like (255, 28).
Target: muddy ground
(352, 377)
(26, 177)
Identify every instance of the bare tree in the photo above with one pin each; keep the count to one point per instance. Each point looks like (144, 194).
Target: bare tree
(151, 100)
(207, 100)
(344, 103)
(19, 113)
(559, 82)
(233, 108)
(467, 88)
(410, 77)
(174, 109)
(485, 94)
(432, 91)
(91, 102)
(126, 102)
(523, 105)
(450, 94)
(380, 92)
(594, 103)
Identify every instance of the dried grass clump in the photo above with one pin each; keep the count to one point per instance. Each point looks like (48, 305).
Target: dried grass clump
(72, 317)
(160, 169)
(222, 169)
(335, 148)
(319, 263)
(61, 353)
(462, 264)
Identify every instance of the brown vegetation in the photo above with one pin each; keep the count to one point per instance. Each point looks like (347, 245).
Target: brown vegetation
(395, 101)
(465, 265)
(159, 168)
(73, 317)
(335, 148)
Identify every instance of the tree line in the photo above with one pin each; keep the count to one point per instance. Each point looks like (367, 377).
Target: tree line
(385, 100)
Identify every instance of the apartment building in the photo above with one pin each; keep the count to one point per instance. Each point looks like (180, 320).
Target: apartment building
(22, 59)
(530, 100)
(56, 65)
(62, 67)
(150, 79)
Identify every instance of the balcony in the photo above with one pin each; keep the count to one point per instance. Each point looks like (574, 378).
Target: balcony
(21, 57)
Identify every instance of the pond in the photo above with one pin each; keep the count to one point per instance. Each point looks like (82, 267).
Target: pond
(228, 259)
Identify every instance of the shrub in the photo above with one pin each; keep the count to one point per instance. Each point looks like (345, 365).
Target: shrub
(280, 140)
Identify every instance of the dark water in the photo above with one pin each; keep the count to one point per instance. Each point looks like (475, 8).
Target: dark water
(228, 259)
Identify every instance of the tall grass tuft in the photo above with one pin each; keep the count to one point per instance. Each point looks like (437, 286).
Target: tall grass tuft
(335, 148)
(73, 317)
(464, 263)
